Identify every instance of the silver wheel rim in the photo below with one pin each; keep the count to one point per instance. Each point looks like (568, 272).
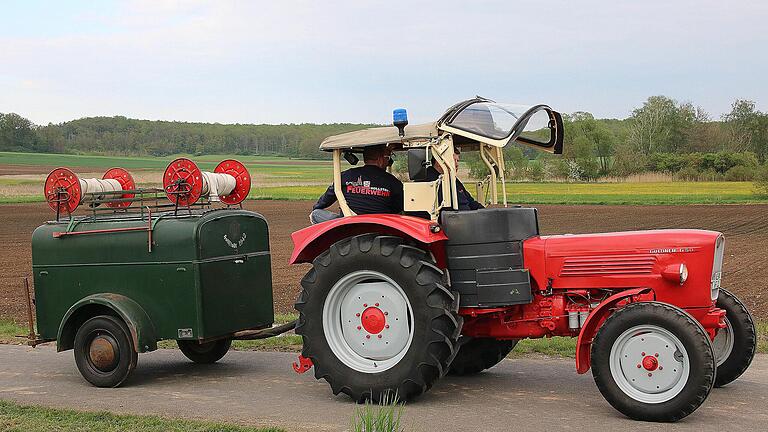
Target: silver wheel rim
(368, 321)
(723, 343)
(649, 364)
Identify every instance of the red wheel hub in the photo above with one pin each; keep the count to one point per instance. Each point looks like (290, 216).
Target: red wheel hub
(373, 320)
(650, 363)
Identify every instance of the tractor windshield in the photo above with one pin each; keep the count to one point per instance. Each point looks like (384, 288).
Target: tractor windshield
(499, 121)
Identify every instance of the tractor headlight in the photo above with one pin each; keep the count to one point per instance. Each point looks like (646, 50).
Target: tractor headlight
(677, 273)
(717, 267)
(683, 273)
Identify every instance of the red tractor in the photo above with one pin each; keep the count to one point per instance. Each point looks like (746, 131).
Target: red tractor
(394, 302)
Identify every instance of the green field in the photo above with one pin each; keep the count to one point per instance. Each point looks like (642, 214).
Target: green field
(670, 193)
(274, 168)
(20, 418)
(290, 179)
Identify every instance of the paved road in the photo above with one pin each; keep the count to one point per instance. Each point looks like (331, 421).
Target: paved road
(260, 388)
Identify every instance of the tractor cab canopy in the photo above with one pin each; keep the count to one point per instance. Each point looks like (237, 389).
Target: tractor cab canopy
(476, 121)
(476, 124)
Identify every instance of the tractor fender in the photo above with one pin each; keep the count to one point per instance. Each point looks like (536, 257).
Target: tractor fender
(592, 325)
(135, 317)
(310, 242)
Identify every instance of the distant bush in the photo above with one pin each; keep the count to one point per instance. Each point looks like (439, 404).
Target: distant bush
(536, 171)
(666, 162)
(761, 181)
(711, 175)
(688, 174)
(740, 173)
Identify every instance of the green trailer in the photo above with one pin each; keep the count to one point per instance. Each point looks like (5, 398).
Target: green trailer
(113, 281)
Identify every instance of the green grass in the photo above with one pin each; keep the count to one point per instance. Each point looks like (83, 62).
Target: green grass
(138, 162)
(656, 193)
(287, 192)
(385, 416)
(9, 330)
(554, 347)
(272, 173)
(21, 418)
(762, 337)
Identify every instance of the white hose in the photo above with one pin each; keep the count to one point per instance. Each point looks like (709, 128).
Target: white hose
(98, 186)
(217, 184)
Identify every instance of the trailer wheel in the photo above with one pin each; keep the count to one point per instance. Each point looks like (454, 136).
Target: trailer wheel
(653, 362)
(104, 351)
(376, 320)
(204, 353)
(735, 344)
(479, 354)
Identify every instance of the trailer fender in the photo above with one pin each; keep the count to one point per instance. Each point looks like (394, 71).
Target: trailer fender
(593, 323)
(135, 317)
(310, 242)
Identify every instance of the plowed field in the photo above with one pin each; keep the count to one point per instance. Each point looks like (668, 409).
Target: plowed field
(745, 228)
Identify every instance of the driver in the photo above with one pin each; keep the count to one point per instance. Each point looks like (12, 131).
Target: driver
(466, 202)
(367, 189)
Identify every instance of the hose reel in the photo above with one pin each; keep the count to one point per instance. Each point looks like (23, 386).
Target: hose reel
(185, 183)
(65, 191)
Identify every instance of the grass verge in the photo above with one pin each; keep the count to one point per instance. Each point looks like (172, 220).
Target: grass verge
(289, 342)
(9, 330)
(22, 418)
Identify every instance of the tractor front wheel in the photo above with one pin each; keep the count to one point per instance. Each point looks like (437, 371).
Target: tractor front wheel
(653, 362)
(479, 354)
(735, 344)
(204, 353)
(376, 320)
(104, 351)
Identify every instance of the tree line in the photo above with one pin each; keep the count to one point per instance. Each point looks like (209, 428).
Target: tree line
(663, 135)
(129, 137)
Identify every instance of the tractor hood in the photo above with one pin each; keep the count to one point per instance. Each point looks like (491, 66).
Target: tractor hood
(634, 259)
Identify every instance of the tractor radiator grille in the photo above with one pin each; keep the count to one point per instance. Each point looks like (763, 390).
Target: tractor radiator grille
(609, 265)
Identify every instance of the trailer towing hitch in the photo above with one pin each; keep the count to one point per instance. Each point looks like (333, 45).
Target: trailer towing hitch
(303, 365)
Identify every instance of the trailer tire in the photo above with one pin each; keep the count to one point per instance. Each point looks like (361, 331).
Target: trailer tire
(479, 354)
(641, 384)
(204, 353)
(403, 361)
(104, 351)
(736, 344)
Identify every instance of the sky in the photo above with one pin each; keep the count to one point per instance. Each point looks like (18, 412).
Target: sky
(354, 61)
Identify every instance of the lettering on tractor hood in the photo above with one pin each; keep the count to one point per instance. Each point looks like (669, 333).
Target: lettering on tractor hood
(674, 250)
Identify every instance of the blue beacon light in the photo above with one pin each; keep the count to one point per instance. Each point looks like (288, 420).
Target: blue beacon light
(400, 120)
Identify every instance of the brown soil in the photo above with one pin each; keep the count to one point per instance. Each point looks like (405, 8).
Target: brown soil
(745, 228)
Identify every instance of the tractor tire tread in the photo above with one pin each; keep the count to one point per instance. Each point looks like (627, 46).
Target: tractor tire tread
(746, 348)
(602, 374)
(445, 323)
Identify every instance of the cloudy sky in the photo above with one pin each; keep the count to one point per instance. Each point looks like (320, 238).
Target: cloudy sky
(353, 61)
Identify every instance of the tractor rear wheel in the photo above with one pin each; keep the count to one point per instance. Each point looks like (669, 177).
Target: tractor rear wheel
(735, 344)
(376, 320)
(104, 351)
(653, 362)
(479, 354)
(204, 353)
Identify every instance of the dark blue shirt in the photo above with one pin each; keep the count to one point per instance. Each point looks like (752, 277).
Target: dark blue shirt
(368, 189)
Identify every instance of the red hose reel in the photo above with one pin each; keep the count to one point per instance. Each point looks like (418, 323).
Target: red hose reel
(185, 183)
(65, 191)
